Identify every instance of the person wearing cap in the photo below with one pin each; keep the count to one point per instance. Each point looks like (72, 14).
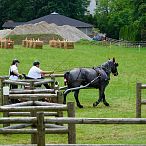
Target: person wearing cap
(13, 71)
(36, 73)
(14, 75)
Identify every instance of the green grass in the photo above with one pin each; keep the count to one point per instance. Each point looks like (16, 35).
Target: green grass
(120, 93)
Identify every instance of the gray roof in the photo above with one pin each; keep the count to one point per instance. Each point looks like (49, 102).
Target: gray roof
(60, 20)
(52, 18)
(12, 24)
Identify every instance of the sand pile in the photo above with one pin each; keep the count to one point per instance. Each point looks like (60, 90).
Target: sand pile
(5, 32)
(67, 32)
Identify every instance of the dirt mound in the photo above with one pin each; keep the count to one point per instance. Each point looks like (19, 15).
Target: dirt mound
(67, 32)
(5, 32)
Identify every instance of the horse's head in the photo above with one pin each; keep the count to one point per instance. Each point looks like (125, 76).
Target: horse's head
(114, 66)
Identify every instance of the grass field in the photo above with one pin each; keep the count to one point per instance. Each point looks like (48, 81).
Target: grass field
(120, 93)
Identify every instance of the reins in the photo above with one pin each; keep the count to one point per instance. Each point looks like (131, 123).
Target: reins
(81, 87)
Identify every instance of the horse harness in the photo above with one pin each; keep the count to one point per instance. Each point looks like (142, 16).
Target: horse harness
(102, 73)
(84, 77)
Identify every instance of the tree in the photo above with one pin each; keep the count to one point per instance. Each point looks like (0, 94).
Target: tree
(115, 17)
(112, 15)
(20, 10)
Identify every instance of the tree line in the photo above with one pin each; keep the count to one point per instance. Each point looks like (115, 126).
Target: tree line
(119, 19)
(21, 10)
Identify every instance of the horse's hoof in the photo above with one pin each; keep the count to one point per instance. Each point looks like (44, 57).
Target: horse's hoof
(95, 104)
(106, 104)
(80, 106)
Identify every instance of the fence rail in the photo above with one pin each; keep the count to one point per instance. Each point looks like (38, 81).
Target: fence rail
(139, 100)
(77, 145)
(64, 130)
(38, 126)
(126, 43)
(97, 120)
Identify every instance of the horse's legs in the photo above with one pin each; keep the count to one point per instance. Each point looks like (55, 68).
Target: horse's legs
(101, 92)
(104, 101)
(76, 93)
(64, 101)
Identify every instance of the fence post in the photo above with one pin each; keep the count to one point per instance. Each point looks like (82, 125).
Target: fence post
(32, 85)
(6, 102)
(33, 136)
(60, 101)
(41, 129)
(53, 83)
(2, 85)
(71, 127)
(138, 100)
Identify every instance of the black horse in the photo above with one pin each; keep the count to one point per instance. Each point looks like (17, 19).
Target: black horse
(97, 77)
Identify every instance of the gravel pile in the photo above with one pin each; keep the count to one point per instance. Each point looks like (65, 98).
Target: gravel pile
(67, 32)
(4, 33)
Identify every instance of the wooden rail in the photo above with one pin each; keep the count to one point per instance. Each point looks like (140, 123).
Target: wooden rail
(71, 130)
(97, 120)
(77, 145)
(139, 100)
(21, 91)
(29, 85)
(15, 82)
(39, 127)
(32, 96)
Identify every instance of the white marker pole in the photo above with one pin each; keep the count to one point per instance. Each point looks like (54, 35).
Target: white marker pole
(6, 90)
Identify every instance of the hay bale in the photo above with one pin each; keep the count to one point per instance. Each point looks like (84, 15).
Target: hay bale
(24, 42)
(68, 45)
(6, 43)
(52, 43)
(38, 44)
(62, 44)
(57, 44)
(31, 42)
(10, 44)
(3, 44)
(27, 44)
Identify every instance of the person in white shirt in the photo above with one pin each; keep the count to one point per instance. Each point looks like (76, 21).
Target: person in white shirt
(14, 75)
(36, 73)
(13, 71)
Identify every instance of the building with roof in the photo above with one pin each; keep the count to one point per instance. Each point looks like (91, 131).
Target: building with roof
(92, 7)
(54, 18)
(10, 24)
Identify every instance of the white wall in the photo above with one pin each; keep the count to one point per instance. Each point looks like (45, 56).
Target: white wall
(92, 6)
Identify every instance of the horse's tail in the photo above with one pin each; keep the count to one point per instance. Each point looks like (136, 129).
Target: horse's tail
(66, 78)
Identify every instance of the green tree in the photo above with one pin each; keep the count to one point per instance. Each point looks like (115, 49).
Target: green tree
(115, 17)
(20, 10)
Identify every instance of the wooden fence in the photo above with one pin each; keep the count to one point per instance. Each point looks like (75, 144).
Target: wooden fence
(31, 94)
(31, 82)
(42, 128)
(78, 145)
(139, 101)
(37, 122)
(124, 43)
(32, 100)
(28, 86)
